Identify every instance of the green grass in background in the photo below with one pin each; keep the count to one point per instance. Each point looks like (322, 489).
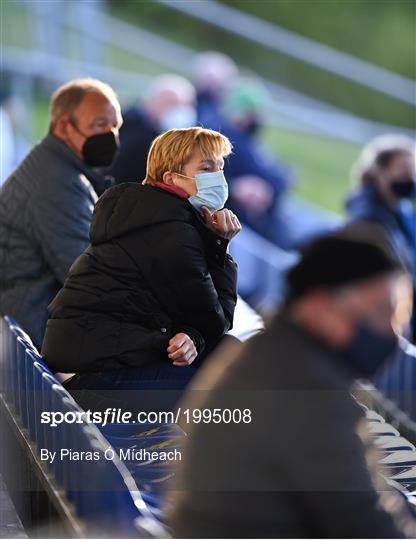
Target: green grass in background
(363, 28)
(322, 165)
(379, 31)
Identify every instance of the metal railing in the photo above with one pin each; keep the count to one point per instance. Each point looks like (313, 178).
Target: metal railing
(307, 50)
(288, 108)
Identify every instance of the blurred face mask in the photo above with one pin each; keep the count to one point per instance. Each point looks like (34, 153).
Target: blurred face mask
(178, 117)
(99, 150)
(253, 126)
(405, 188)
(368, 350)
(212, 190)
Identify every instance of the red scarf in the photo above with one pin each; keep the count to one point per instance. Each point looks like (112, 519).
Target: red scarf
(172, 189)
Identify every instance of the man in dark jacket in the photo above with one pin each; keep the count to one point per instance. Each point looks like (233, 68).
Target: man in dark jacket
(386, 196)
(46, 204)
(170, 103)
(292, 461)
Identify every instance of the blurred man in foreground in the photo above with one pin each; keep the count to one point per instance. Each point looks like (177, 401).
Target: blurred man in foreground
(293, 462)
(386, 195)
(46, 204)
(170, 103)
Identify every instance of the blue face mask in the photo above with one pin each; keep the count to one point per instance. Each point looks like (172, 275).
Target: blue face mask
(368, 350)
(212, 191)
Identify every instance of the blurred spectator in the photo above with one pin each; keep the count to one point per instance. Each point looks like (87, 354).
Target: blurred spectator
(13, 145)
(170, 103)
(156, 289)
(257, 179)
(298, 461)
(46, 204)
(214, 72)
(385, 175)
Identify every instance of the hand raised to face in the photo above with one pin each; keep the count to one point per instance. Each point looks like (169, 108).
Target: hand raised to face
(224, 222)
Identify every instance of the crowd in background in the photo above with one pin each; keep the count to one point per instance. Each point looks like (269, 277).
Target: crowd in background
(135, 287)
(260, 183)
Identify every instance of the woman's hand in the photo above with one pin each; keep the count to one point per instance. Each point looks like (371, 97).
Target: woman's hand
(223, 222)
(182, 350)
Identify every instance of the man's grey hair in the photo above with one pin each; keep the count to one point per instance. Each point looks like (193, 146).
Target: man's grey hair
(68, 96)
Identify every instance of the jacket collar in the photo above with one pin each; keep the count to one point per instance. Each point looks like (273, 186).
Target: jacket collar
(172, 189)
(59, 148)
(366, 200)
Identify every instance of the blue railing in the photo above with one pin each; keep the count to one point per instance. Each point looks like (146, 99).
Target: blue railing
(104, 494)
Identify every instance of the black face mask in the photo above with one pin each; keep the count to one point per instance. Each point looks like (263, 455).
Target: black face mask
(404, 188)
(253, 126)
(100, 150)
(368, 350)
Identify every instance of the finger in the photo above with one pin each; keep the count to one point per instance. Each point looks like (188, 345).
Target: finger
(184, 362)
(229, 221)
(172, 348)
(177, 355)
(236, 222)
(234, 219)
(206, 214)
(177, 341)
(220, 220)
(188, 362)
(227, 225)
(188, 357)
(180, 353)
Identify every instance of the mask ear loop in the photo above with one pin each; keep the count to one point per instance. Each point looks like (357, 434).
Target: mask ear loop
(74, 125)
(185, 176)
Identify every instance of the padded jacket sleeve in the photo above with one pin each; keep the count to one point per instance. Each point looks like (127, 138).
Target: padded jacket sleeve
(197, 291)
(61, 222)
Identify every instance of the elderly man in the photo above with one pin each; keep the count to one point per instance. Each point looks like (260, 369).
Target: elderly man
(294, 460)
(46, 204)
(170, 103)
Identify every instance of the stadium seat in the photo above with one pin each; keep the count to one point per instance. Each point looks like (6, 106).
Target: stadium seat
(382, 428)
(401, 457)
(372, 416)
(103, 491)
(405, 477)
(390, 443)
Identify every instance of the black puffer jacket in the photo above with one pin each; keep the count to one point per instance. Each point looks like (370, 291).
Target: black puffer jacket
(153, 269)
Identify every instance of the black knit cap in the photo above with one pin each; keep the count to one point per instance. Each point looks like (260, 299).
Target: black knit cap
(340, 259)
